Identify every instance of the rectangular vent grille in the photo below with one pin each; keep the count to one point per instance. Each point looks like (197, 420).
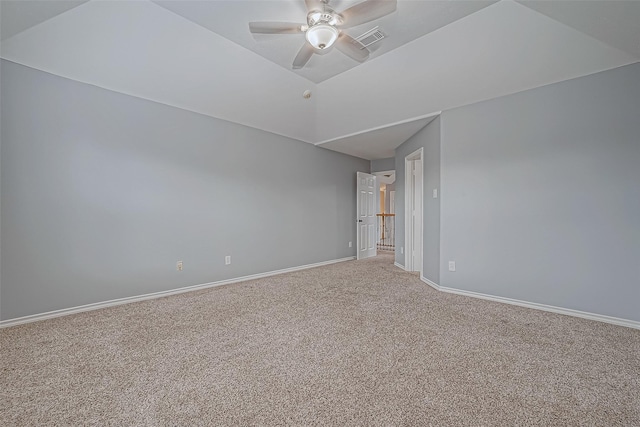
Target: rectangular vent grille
(372, 36)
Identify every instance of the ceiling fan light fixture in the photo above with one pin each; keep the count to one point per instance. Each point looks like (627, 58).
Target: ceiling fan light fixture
(322, 36)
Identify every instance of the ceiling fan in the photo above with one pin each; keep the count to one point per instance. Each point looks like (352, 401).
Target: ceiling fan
(325, 26)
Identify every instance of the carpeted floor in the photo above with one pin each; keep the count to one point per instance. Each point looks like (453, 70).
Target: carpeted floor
(355, 343)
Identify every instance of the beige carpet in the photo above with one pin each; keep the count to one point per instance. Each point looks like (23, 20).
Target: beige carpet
(355, 343)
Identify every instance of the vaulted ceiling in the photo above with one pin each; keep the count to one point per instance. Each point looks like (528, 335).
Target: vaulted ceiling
(200, 56)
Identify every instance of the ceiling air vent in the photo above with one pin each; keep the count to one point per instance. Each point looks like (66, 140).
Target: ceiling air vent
(372, 36)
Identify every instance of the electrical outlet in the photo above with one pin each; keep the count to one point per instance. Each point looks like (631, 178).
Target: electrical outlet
(350, 244)
(179, 266)
(435, 193)
(227, 260)
(452, 266)
(401, 249)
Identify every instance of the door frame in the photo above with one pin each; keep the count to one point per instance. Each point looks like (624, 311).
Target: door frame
(409, 229)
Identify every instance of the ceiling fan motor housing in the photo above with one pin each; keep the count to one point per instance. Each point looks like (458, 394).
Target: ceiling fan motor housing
(326, 17)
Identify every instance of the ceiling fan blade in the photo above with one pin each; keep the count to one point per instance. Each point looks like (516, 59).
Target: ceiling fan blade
(366, 11)
(314, 5)
(303, 56)
(352, 48)
(275, 28)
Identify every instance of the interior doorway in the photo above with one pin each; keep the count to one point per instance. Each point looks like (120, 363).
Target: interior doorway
(413, 211)
(386, 233)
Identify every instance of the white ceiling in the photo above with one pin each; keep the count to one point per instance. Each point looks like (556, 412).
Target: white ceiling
(411, 20)
(374, 144)
(17, 16)
(141, 49)
(200, 56)
(616, 23)
(501, 49)
(385, 178)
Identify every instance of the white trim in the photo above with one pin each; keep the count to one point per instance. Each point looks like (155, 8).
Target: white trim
(409, 190)
(127, 300)
(397, 264)
(434, 285)
(536, 306)
(401, 122)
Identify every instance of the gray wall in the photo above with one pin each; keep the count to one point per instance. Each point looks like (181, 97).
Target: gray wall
(387, 196)
(429, 139)
(102, 193)
(383, 165)
(541, 195)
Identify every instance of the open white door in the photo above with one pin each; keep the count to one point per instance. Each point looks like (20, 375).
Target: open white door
(366, 208)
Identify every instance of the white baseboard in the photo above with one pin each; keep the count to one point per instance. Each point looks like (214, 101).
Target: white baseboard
(434, 285)
(397, 264)
(566, 311)
(127, 300)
